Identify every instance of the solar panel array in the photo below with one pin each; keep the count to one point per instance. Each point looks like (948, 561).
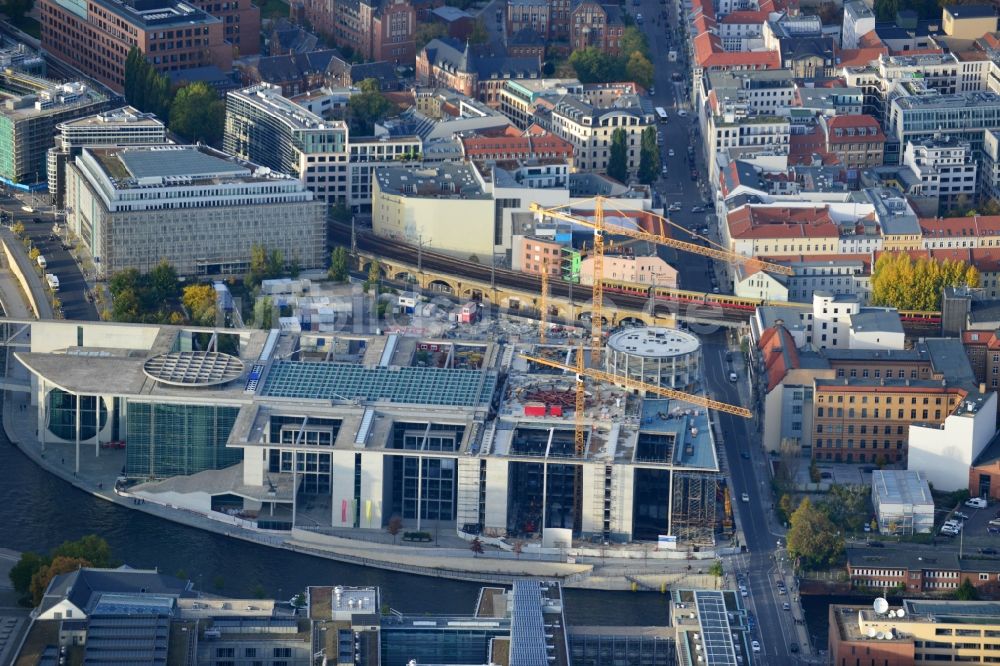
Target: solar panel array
(118, 641)
(716, 636)
(408, 385)
(527, 630)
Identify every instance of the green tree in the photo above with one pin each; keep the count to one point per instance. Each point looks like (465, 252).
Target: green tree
(899, 281)
(594, 66)
(427, 31)
(92, 548)
(649, 157)
(966, 591)
(59, 565)
(813, 538)
(163, 283)
(16, 9)
(847, 507)
(885, 10)
(634, 41)
(22, 572)
(145, 88)
(639, 69)
(340, 213)
(200, 302)
(125, 306)
(263, 313)
(479, 33)
(374, 272)
(339, 264)
(716, 569)
(618, 160)
(368, 107)
(198, 114)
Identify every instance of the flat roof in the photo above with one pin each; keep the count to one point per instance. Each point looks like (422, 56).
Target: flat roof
(404, 385)
(654, 342)
(176, 161)
(900, 486)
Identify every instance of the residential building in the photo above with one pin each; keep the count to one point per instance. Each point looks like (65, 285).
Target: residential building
(964, 116)
(173, 34)
(781, 229)
(946, 168)
(446, 63)
(529, 15)
(406, 207)
(537, 254)
(589, 128)
(594, 24)
(746, 135)
(984, 473)
(371, 29)
(750, 281)
(857, 140)
(859, 20)
(125, 126)
(649, 270)
(983, 350)
(968, 22)
(242, 24)
(801, 45)
(265, 128)
(944, 453)
(512, 144)
(989, 165)
(246, 414)
(919, 631)
(32, 110)
(903, 502)
(368, 153)
(200, 210)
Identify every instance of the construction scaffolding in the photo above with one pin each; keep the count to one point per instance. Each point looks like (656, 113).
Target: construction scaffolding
(693, 507)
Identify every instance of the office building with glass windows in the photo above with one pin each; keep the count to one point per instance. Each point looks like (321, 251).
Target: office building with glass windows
(340, 430)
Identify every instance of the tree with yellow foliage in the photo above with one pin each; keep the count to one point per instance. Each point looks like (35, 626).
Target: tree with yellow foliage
(900, 282)
(199, 301)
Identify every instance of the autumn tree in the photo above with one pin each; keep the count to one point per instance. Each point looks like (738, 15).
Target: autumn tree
(649, 157)
(813, 538)
(200, 302)
(476, 547)
(847, 507)
(394, 527)
(900, 282)
(618, 160)
(639, 69)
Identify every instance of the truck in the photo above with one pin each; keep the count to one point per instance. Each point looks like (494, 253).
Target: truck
(53, 281)
(41, 261)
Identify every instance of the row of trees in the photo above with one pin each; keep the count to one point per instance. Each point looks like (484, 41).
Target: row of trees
(900, 282)
(594, 66)
(34, 571)
(194, 111)
(649, 156)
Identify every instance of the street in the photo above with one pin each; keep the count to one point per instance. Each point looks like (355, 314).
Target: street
(72, 285)
(775, 627)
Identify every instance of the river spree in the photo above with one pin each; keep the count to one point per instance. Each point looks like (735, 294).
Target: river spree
(39, 511)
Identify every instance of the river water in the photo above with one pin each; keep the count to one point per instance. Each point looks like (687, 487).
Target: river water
(39, 511)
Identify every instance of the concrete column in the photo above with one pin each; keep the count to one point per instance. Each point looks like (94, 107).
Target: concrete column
(42, 414)
(77, 418)
(545, 492)
(670, 506)
(97, 426)
(420, 488)
(295, 483)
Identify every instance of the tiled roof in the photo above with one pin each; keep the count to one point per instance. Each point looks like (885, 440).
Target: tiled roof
(778, 354)
(780, 222)
(746, 16)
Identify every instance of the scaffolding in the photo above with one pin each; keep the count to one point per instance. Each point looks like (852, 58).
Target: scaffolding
(693, 507)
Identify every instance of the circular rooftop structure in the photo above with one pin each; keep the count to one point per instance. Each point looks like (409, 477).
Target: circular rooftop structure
(655, 355)
(193, 368)
(653, 342)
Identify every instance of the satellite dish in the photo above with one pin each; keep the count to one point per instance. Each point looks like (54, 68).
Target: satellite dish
(880, 636)
(872, 632)
(880, 605)
(901, 613)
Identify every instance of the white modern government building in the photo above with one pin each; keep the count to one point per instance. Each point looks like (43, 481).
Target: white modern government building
(345, 431)
(194, 207)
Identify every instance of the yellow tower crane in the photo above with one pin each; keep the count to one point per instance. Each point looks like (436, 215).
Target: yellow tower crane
(601, 226)
(632, 384)
(544, 303)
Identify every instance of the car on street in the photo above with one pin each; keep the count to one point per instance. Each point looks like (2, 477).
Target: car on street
(755, 646)
(745, 455)
(976, 503)
(958, 515)
(664, 169)
(993, 530)
(670, 153)
(988, 551)
(733, 377)
(786, 606)
(676, 76)
(682, 113)
(652, 90)
(674, 207)
(745, 497)
(697, 209)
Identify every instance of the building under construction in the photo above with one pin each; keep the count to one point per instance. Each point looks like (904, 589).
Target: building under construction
(344, 431)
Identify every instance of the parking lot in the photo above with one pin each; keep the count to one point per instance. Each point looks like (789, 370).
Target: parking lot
(975, 534)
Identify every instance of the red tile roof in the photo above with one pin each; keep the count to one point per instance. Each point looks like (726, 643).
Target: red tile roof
(516, 145)
(862, 121)
(709, 53)
(746, 16)
(871, 40)
(778, 353)
(981, 338)
(958, 227)
(749, 222)
(860, 57)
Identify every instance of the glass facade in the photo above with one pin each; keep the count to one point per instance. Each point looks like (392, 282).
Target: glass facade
(437, 487)
(596, 650)
(172, 440)
(62, 415)
(432, 645)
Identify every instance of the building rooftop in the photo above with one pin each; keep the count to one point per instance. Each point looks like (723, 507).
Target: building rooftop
(654, 342)
(900, 486)
(156, 14)
(438, 181)
(970, 11)
(875, 319)
(125, 115)
(966, 100)
(24, 96)
(269, 96)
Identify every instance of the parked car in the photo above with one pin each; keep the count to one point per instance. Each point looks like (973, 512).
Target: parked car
(988, 551)
(976, 503)
(670, 153)
(733, 377)
(993, 530)
(755, 646)
(697, 209)
(960, 516)
(745, 497)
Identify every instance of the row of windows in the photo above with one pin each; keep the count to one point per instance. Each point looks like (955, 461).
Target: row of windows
(864, 398)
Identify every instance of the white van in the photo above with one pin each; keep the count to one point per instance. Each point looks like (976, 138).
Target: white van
(41, 261)
(53, 281)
